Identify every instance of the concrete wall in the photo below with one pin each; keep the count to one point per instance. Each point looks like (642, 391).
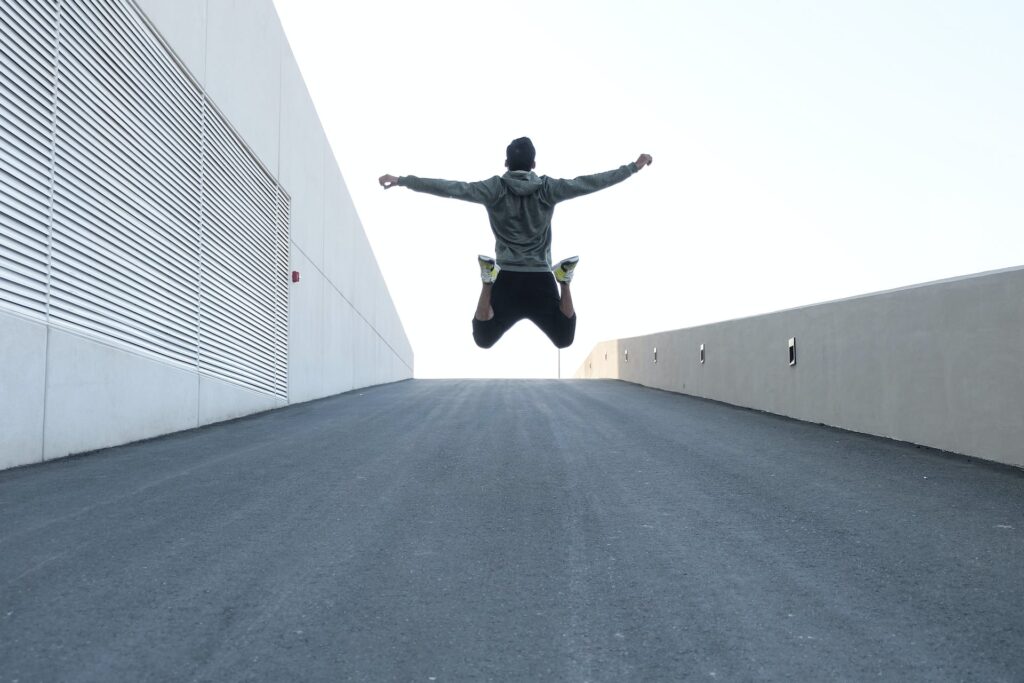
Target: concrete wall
(939, 364)
(62, 392)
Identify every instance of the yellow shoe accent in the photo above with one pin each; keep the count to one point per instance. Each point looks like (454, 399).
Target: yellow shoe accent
(565, 268)
(488, 269)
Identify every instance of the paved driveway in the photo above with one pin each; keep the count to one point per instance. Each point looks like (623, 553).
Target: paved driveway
(507, 530)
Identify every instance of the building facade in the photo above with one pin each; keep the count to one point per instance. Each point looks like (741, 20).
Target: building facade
(177, 244)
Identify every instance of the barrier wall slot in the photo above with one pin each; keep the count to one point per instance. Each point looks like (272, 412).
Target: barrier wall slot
(702, 354)
(792, 350)
(655, 355)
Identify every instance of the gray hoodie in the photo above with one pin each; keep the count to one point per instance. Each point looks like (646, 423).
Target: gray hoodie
(520, 205)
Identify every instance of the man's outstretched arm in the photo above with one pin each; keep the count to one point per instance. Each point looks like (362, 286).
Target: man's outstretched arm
(560, 190)
(481, 192)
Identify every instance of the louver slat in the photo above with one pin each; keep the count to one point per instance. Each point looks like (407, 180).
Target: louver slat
(282, 260)
(130, 210)
(240, 265)
(126, 233)
(28, 40)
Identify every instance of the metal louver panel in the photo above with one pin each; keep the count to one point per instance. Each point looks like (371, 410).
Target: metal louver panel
(28, 59)
(241, 272)
(127, 182)
(129, 208)
(283, 258)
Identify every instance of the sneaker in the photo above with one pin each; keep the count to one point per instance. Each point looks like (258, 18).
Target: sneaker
(564, 270)
(488, 269)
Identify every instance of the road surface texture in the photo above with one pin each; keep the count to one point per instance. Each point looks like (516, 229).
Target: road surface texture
(512, 530)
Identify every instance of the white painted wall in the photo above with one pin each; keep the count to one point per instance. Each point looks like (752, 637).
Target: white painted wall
(63, 393)
(23, 373)
(939, 364)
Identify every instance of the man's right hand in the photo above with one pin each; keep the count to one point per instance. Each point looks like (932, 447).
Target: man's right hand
(644, 160)
(387, 181)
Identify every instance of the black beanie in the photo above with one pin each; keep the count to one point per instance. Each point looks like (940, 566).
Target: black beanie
(520, 155)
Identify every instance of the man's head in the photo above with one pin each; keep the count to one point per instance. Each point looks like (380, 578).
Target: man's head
(520, 155)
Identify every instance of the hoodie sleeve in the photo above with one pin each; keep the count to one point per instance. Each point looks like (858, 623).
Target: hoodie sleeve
(559, 190)
(480, 192)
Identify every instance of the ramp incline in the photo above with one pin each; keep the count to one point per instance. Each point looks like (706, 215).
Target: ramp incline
(550, 530)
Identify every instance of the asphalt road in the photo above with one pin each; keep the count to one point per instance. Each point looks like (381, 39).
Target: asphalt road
(509, 530)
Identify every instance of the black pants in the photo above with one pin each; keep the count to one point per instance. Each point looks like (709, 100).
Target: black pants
(533, 296)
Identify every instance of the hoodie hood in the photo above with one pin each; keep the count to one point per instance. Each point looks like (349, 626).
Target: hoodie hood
(522, 183)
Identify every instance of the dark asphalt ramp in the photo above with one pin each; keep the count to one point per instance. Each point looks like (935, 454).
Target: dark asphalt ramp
(507, 530)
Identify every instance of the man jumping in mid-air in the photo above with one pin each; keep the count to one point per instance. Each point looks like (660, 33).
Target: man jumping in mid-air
(520, 205)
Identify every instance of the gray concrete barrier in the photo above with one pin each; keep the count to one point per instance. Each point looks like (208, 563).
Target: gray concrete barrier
(939, 364)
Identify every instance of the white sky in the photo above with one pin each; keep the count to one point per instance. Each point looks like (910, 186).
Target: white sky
(803, 151)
